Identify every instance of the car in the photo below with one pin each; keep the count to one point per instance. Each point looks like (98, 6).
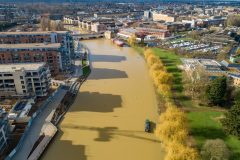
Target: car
(147, 125)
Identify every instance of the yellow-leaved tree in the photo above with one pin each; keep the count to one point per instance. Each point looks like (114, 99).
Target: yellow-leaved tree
(152, 59)
(148, 52)
(132, 40)
(164, 78)
(165, 90)
(172, 126)
(177, 151)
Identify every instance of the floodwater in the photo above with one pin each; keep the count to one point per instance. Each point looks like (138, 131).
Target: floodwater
(106, 122)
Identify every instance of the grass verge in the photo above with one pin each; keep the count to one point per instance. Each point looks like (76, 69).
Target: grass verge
(205, 125)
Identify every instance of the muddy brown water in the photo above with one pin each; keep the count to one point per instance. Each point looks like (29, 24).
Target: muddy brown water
(106, 122)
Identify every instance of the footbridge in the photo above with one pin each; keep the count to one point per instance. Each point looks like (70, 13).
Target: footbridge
(88, 36)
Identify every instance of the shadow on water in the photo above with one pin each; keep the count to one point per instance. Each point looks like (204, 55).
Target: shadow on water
(107, 58)
(97, 102)
(69, 152)
(108, 133)
(103, 73)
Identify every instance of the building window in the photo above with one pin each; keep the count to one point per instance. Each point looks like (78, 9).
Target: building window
(21, 77)
(22, 82)
(23, 87)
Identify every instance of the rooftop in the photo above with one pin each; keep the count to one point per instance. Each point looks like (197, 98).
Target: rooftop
(20, 66)
(30, 46)
(31, 33)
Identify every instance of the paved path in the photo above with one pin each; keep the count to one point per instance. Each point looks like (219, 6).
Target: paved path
(37, 126)
(106, 122)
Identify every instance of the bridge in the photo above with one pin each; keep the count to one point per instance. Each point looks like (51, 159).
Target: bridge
(88, 36)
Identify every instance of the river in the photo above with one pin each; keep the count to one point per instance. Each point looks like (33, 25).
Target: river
(106, 122)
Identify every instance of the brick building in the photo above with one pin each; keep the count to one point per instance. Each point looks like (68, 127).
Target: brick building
(33, 52)
(63, 37)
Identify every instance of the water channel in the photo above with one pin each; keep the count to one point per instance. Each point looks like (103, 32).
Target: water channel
(106, 122)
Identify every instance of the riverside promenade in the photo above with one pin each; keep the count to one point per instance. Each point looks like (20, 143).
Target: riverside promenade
(37, 127)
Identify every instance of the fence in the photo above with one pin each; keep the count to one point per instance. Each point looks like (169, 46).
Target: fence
(26, 132)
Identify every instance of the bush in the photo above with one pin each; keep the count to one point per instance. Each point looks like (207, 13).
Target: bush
(231, 122)
(215, 150)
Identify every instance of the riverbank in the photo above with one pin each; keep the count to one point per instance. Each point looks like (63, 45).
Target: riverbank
(203, 120)
(107, 119)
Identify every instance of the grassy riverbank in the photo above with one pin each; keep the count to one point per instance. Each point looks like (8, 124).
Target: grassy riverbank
(204, 121)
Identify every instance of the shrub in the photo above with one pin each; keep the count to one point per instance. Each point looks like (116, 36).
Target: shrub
(215, 150)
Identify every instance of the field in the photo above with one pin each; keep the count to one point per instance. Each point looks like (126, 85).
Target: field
(205, 125)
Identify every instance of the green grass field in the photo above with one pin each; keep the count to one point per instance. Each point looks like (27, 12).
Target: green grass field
(205, 125)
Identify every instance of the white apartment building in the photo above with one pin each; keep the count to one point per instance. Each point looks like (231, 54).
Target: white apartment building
(24, 79)
(163, 17)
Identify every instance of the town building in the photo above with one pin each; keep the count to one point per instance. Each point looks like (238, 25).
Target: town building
(98, 27)
(62, 37)
(33, 52)
(174, 26)
(235, 79)
(210, 66)
(157, 33)
(163, 17)
(4, 128)
(24, 80)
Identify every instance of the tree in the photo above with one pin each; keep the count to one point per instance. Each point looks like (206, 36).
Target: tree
(164, 78)
(178, 151)
(45, 23)
(195, 83)
(231, 122)
(216, 91)
(233, 20)
(165, 90)
(215, 150)
(148, 52)
(172, 126)
(195, 35)
(132, 40)
(152, 59)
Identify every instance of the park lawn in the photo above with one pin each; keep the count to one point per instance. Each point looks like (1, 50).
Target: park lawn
(205, 125)
(171, 61)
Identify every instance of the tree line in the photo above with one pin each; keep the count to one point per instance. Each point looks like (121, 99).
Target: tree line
(172, 127)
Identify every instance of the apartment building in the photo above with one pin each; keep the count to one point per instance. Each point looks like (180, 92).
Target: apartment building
(3, 130)
(33, 52)
(62, 37)
(24, 80)
(163, 17)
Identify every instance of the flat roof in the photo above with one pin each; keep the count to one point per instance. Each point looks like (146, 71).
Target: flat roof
(20, 66)
(31, 33)
(30, 45)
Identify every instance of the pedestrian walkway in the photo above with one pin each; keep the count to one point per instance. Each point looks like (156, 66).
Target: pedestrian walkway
(37, 126)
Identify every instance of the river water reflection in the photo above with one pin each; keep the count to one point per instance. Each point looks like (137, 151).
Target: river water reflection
(106, 122)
